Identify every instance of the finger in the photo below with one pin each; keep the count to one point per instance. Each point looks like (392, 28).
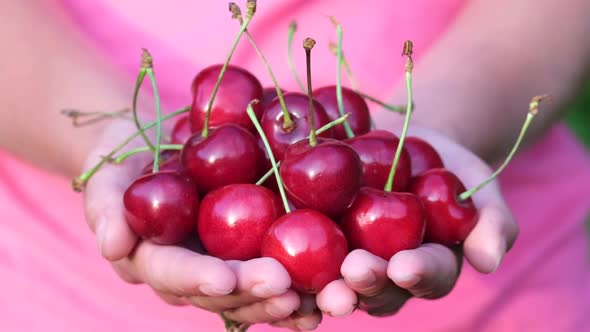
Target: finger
(429, 271)
(267, 311)
(172, 299)
(298, 322)
(308, 304)
(337, 299)
(364, 272)
(257, 279)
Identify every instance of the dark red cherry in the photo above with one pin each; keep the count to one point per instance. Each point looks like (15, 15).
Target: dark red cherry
(271, 182)
(359, 120)
(162, 207)
(238, 88)
(230, 154)
(233, 220)
(376, 151)
(268, 95)
(422, 155)
(384, 223)
(381, 133)
(167, 163)
(325, 177)
(448, 220)
(310, 246)
(181, 131)
(298, 105)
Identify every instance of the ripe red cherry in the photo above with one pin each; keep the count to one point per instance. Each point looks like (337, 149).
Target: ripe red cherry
(233, 220)
(230, 154)
(310, 246)
(268, 95)
(359, 120)
(162, 207)
(181, 131)
(448, 220)
(422, 155)
(298, 105)
(376, 151)
(380, 133)
(238, 88)
(170, 161)
(325, 177)
(384, 223)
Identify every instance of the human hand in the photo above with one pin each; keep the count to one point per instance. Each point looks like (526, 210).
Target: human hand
(381, 288)
(254, 291)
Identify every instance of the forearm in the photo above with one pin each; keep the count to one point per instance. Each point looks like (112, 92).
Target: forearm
(476, 82)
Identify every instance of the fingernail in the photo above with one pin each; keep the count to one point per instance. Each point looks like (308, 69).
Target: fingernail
(101, 232)
(364, 281)
(306, 325)
(262, 290)
(273, 310)
(498, 255)
(211, 290)
(407, 280)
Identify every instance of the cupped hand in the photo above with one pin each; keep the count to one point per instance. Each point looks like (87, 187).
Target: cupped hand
(382, 287)
(254, 291)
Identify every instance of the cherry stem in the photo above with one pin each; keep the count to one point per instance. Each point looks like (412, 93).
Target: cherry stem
(287, 121)
(292, 30)
(249, 15)
(408, 49)
(93, 117)
(146, 63)
(79, 182)
(308, 44)
(339, 55)
(123, 156)
(152, 75)
(327, 126)
(271, 156)
(533, 110)
(233, 326)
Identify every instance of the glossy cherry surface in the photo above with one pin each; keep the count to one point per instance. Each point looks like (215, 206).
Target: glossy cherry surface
(162, 207)
(376, 151)
(448, 220)
(233, 220)
(181, 131)
(268, 95)
(298, 106)
(238, 88)
(230, 154)
(169, 161)
(310, 246)
(359, 120)
(384, 223)
(423, 156)
(325, 177)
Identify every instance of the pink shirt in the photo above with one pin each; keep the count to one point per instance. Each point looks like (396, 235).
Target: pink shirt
(53, 279)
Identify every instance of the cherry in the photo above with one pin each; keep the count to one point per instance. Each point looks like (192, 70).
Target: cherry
(272, 122)
(237, 89)
(376, 150)
(169, 161)
(233, 220)
(449, 220)
(325, 177)
(422, 155)
(268, 95)
(310, 246)
(359, 120)
(230, 154)
(162, 207)
(384, 223)
(181, 131)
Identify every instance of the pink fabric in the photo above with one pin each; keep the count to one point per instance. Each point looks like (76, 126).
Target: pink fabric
(51, 275)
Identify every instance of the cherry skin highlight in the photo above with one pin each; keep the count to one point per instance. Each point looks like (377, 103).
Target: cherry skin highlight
(233, 220)
(310, 246)
(230, 154)
(181, 131)
(162, 207)
(448, 220)
(384, 223)
(272, 122)
(238, 88)
(359, 119)
(325, 177)
(422, 155)
(376, 151)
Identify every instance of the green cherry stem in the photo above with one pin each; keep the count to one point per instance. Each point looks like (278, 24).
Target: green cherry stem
(408, 48)
(152, 75)
(273, 161)
(533, 110)
(93, 117)
(339, 34)
(308, 44)
(249, 14)
(146, 63)
(325, 127)
(287, 121)
(79, 182)
(123, 156)
(292, 30)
